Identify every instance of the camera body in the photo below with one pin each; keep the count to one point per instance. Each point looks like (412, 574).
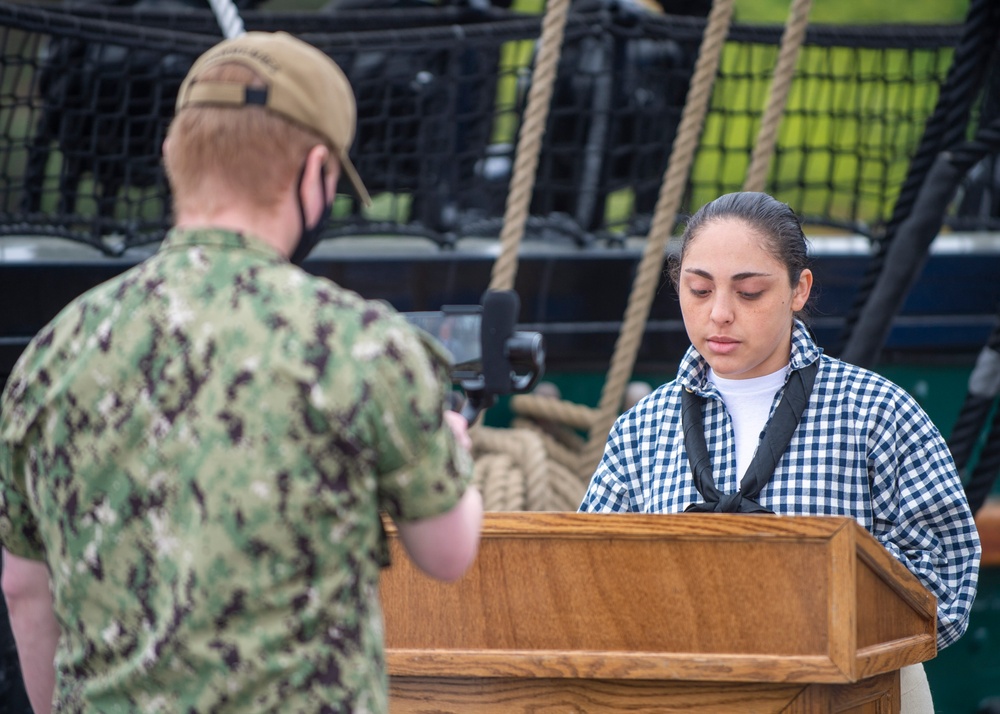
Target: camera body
(489, 356)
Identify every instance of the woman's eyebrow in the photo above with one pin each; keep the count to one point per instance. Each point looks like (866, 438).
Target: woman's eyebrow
(750, 274)
(739, 276)
(699, 272)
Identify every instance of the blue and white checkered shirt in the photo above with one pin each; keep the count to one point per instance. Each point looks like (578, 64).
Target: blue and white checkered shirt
(863, 448)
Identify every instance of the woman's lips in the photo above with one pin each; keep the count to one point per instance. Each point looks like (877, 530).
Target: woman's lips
(722, 345)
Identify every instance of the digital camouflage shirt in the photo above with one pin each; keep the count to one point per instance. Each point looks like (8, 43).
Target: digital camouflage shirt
(199, 449)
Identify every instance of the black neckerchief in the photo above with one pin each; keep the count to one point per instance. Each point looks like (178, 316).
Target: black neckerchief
(777, 434)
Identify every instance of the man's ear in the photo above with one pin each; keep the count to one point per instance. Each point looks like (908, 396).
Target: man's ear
(313, 191)
(165, 151)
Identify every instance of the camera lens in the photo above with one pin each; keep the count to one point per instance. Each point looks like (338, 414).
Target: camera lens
(525, 351)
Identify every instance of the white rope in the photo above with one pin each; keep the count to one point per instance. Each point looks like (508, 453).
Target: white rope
(228, 17)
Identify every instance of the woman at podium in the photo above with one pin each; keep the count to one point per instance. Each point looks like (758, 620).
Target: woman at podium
(759, 420)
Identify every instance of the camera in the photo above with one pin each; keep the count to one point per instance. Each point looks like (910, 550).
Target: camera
(489, 357)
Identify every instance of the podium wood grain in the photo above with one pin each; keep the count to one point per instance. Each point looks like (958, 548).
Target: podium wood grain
(583, 612)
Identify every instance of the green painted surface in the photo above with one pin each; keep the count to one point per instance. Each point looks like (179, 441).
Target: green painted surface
(968, 672)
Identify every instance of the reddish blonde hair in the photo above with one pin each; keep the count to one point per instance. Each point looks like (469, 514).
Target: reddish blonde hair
(249, 150)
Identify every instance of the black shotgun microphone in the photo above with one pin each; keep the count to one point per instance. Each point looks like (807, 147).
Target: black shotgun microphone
(512, 361)
(500, 313)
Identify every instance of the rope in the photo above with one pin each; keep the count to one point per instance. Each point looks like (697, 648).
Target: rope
(563, 489)
(664, 217)
(567, 489)
(784, 70)
(988, 466)
(577, 416)
(968, 427)
(512, 470)
(228, 17)
(986, 142)
(905, 257)
(561, 444)
(984, 380)
(961, 86)
(980, 398)
(497, 480)
(512, 466)
(529, 144)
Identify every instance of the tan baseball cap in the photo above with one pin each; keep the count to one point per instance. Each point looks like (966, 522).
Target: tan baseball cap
(303, 85)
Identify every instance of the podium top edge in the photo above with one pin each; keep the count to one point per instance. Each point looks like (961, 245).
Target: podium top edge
(529, 524)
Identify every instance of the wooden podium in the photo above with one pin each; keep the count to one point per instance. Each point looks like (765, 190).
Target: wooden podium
(567, 612)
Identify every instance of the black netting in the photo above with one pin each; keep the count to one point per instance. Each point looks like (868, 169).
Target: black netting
(83, 109)
(87, 94)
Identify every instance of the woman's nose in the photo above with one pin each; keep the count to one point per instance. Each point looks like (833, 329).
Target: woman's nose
(722, 308)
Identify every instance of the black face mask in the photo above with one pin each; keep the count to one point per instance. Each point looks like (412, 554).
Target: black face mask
(310, 236)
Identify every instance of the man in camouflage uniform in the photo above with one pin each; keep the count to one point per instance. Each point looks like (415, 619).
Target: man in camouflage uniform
(194, 455)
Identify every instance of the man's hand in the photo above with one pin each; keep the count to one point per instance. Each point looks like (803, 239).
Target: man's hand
(460, 428)
(33, 622)
(444, 546)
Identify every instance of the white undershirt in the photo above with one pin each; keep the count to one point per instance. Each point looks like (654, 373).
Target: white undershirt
(749, 403)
